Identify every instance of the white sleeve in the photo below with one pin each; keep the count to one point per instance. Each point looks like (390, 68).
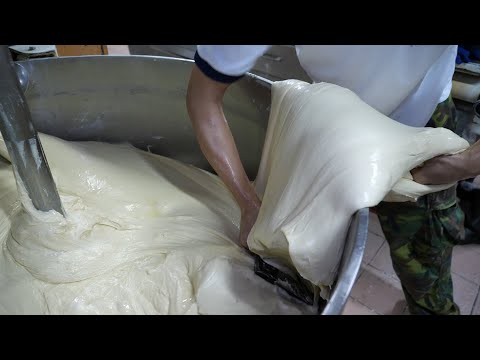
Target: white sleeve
(228, 63)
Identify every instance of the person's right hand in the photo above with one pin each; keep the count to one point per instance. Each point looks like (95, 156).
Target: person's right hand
(205, 108)
(249, 216)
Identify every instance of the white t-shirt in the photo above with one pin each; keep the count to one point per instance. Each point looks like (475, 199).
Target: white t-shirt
(404, 82)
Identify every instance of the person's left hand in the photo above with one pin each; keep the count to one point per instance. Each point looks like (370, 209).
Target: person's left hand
(444, 169)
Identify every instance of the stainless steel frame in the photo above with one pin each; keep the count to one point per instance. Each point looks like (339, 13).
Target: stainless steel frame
(141, 100)
(350, 265)
(23, 145)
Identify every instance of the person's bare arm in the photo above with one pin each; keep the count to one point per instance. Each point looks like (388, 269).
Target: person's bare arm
(450, 168)
(205, 108)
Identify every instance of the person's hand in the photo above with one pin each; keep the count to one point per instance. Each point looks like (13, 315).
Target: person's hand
(444, 169)
(249, 216)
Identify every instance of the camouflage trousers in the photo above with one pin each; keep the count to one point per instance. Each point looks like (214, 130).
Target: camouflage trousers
(421, 237)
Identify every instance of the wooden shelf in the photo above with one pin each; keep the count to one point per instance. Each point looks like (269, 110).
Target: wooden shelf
(78, 50)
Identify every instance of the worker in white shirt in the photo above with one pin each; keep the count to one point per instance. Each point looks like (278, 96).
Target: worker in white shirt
(410, 84)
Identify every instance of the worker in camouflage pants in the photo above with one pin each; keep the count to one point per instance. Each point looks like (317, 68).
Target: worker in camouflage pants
(421, 236)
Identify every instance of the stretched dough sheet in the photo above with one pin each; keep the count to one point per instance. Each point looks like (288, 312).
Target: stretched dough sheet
(328, 154)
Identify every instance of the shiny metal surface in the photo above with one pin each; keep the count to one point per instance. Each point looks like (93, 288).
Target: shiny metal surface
(141, 100)
(23, 145)
(351, 262)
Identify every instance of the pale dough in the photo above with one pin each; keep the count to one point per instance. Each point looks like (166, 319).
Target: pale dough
(143, 234)
(328, 154)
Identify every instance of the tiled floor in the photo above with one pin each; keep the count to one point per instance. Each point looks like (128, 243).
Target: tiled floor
(378, 291)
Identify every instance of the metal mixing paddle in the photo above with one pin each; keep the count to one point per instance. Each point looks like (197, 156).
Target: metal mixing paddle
(23, 144)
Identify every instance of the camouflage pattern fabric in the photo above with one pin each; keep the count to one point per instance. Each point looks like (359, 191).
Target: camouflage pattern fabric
(421, 237)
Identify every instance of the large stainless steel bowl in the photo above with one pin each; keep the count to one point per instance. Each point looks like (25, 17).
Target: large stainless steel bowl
(141, 99)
